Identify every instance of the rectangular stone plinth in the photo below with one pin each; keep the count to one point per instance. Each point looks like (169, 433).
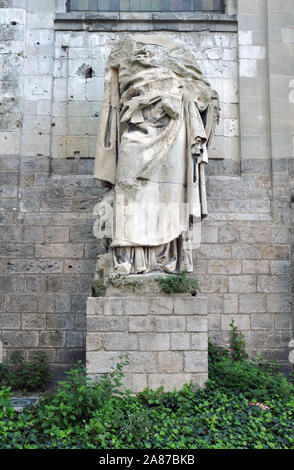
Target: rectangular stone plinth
(165, 338)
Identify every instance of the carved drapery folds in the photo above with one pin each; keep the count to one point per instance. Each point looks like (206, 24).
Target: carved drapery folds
(156, 124)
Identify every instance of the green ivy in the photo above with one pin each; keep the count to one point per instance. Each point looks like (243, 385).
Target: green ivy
(238, 351)
(26, 376)
(179, 284)
(232, 371)
(85, 414)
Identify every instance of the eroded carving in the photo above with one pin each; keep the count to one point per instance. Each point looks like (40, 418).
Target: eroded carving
(156, 124)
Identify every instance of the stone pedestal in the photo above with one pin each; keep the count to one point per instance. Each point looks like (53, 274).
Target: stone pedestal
(165, 337)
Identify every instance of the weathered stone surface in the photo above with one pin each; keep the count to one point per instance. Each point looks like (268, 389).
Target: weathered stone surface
(276, 252)
(141, 324)
(9, 321)
(214, 284)
(195, 361)
(93, 341)
(120, 342)
(199, 341)
(36, 284)
(111, 305)
(21, 303)
(161, 306)
(62, 321)
(170, 362)
(196, 324)
(33, 322)
(135, 249)
(189, 305)
(48, 199)
(214, 322)
(52, 338)
(172, 324)
(274, 284)
(231, 303)
(265, 321)
(241, 321)
(11, 283)
(179, 341)
(63, 303)
(145, 362)
(242, 284)
(129, 286)
(156, 344)
(252, 303)
(101, 361)
(59, 250)
(224, 267)
(131, 306)
(74, 339)
(106, 323)
(212, 251)
(281, 267)
(279, 303)
(243, 252)
(20, 339)
(256, 267)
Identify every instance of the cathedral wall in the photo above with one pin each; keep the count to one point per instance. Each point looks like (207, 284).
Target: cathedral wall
(52, 68)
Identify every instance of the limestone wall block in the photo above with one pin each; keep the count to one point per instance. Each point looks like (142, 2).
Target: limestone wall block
(179, 341)
(170, 362)
(195, 361)
(196, 324)
(139, 324)
(173, 324)
(120, 342)
(106, 323)
(161, 306)
(154, 342)
(156, 345)
(199, 341)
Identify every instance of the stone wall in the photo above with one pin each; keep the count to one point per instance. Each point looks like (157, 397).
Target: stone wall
(165, 338)
(52, 88)
(47, 248)
(247, 267)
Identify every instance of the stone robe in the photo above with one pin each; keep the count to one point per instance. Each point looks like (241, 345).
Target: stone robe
(157, 119)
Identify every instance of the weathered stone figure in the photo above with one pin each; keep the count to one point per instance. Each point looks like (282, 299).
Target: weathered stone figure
(157, 120)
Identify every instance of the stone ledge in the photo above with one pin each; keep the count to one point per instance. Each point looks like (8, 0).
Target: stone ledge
(133, 285)
(146, 21)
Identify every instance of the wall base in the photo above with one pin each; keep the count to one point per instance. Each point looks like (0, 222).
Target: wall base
(165, 338)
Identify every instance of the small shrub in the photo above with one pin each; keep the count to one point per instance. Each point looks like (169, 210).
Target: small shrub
(77, 396)
(252, 381)
(179, 284)
(232, 371)
(88, 415)
(237, 343)
(26, 376)
(82, 414)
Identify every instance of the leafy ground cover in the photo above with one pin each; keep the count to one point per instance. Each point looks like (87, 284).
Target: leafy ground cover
(26, 376)
(245, 405)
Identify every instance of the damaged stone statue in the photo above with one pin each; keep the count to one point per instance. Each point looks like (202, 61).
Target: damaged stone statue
(157, 121)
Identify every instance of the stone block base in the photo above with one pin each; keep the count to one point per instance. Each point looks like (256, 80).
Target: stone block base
(165, 338)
